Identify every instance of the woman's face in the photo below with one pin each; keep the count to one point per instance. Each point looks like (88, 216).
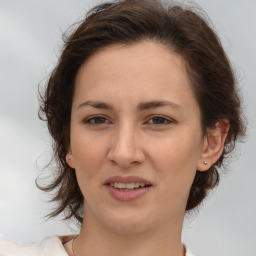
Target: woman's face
(134, 114)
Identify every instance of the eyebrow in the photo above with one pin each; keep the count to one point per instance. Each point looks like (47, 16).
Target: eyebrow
(140, 107)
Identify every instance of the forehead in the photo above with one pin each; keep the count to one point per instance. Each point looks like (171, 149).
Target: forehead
(143, 70)
(137, 58)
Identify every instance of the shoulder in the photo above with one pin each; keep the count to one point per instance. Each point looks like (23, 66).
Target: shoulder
(49, 246)
(188, 252)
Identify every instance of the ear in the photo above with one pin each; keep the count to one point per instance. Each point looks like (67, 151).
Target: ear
(69, 159)
(213, 145)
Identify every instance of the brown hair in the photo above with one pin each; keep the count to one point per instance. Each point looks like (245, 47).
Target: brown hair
(127, 22)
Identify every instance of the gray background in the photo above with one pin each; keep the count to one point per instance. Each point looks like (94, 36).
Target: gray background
(30, 37)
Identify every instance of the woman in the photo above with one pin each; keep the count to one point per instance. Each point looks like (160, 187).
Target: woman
(143, 109)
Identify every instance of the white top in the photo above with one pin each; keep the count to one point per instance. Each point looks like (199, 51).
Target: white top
(50, 246)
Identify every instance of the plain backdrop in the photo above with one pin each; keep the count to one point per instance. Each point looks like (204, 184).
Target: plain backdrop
(30, 39)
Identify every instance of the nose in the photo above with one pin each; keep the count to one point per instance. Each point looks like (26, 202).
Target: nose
(126, 147)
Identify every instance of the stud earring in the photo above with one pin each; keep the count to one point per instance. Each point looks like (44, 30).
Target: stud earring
(205, 162)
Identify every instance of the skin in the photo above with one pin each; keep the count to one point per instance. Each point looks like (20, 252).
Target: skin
(165, 150)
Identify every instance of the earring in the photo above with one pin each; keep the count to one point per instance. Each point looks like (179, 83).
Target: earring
(205, 162)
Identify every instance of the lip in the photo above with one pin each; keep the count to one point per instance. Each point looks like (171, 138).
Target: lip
(126, 179)
(126, 195)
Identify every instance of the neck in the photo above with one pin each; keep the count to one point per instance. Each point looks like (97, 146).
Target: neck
(95, 239)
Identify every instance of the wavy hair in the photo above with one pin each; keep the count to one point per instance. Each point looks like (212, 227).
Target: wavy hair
(182, 30)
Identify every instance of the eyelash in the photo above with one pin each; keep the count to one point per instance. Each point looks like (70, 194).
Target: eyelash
(87, 121)
(164, 119)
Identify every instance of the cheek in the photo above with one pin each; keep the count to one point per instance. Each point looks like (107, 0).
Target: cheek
(88, 161)
(176, 158)
(88, 157)
(178, 150)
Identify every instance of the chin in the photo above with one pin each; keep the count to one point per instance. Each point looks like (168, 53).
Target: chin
(128, 222)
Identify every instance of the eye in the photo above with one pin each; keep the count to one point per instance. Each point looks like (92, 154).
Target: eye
(96, 120)
(159, 120)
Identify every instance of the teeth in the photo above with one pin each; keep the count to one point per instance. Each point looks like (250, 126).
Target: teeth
(127, 185)
(138, 184)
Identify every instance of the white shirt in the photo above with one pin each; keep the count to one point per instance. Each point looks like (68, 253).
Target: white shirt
(50, 246)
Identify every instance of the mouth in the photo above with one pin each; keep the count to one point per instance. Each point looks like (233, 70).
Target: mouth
(127, 182)
(127, 188)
